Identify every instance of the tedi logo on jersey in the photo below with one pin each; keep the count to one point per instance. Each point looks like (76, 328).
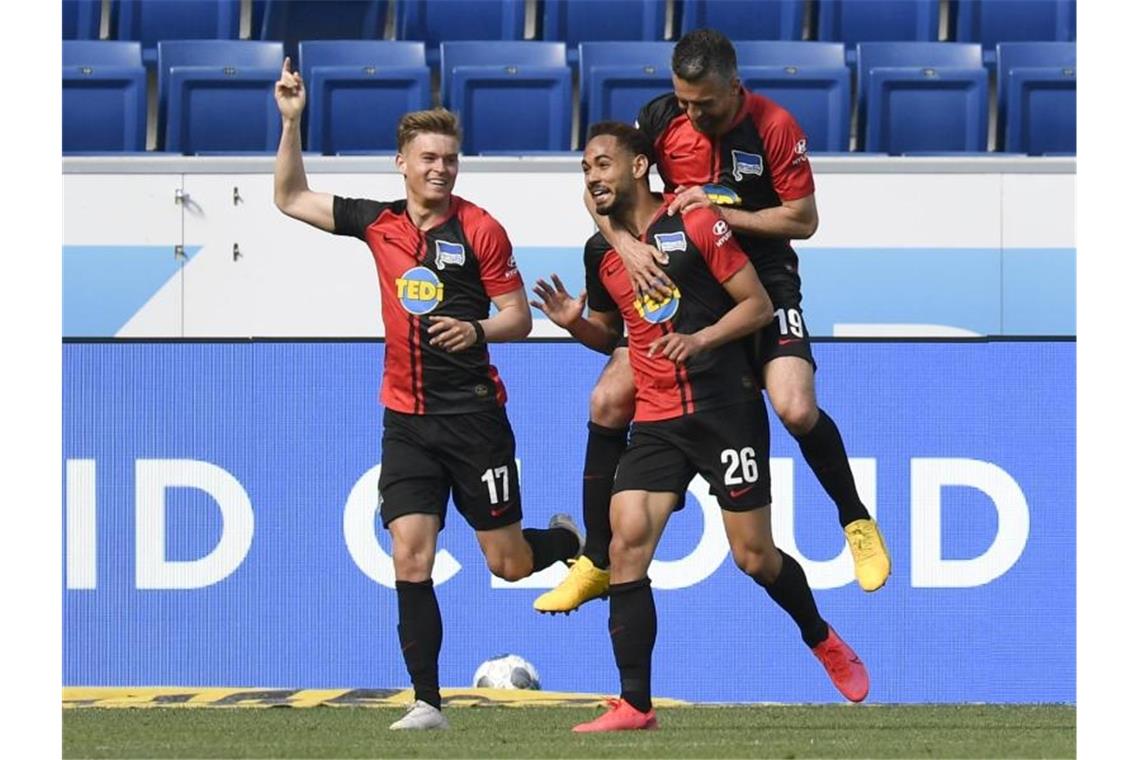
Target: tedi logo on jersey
(449, 253)
(419, 290)
(746, 163)
(655, 311)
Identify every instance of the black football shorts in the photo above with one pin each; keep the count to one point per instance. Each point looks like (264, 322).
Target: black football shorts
(727, 446)
(786, 334)
(426, 457)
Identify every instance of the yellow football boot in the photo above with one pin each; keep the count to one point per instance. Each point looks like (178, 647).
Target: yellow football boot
(872, 562)
(583, 583)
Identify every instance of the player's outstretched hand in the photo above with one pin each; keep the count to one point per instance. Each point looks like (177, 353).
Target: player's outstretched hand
(289, 92)
(451, 334)
(689, 198)
(677, 347)
(558, 305)
(643, 262)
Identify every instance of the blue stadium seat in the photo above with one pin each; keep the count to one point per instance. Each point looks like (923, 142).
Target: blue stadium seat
(745, 19)
(104, 96)
(576, 21)
(81, 19)
(919, 96)
(995, 21)
(148, 22)
(436, 21)
(810, 79)
(359, 89)
(217, 95)
(291, 21)
(1037, 97)
(512, 95)
(855, 21)
(617, 78)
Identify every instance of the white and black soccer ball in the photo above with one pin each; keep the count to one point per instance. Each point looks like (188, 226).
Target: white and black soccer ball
(506, 671)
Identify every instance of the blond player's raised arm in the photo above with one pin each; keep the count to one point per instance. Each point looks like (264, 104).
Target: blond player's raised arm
(291, 193)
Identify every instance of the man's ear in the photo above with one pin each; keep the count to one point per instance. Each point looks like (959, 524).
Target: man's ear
(401, 164)
(640, 166)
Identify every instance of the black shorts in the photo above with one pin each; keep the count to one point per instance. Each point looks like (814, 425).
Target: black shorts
(786, 334)
(727, 446)
(471, 456)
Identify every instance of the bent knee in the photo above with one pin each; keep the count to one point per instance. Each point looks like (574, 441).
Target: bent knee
(509, 568)
(798, 414)
(756, 563)
(611, 403)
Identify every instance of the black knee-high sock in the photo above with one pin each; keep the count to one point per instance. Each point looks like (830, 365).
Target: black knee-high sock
(604, 448)
(549, 545)
(421, 634)
(791, 591)
(822, 447)
(633, 631)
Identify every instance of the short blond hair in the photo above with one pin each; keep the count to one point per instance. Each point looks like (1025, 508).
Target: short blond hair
(435, 121)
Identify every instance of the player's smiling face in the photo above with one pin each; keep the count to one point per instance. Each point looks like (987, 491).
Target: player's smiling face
(608, 171)
(430, 164)
(710, 103)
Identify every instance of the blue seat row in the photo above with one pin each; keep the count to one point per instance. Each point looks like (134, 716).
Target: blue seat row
(576, 21)
(217, 95)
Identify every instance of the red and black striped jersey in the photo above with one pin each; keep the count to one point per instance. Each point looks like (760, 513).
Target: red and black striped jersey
(759, 163)
(450, 270)
(702, 255)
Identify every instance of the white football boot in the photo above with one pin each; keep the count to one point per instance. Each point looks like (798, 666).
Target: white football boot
(420, 717)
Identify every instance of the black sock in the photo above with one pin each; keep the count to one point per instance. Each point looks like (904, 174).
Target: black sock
(604, 448)
(549, 545)
(633, 631)
(421, 634)
(823, 449)
(791, 591)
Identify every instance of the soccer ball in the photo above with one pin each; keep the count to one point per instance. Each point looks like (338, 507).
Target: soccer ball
(506, 671)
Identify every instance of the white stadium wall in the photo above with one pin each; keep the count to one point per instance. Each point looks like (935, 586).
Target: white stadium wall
(905, 247)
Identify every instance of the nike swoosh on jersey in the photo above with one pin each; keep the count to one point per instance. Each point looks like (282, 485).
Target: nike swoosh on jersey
(738, 492)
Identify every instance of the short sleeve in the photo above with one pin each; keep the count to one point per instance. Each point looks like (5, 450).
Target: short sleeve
(713, 237)
(495, 255)
(352, 216)
(655, 115)
(597, 297)
(786, 146)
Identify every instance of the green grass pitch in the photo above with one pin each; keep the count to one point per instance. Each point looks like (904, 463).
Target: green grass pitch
(839, 731)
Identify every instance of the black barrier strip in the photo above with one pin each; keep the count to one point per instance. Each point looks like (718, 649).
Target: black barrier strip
(814, 339)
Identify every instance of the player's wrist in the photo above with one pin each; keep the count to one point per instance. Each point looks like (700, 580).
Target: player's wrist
(480, 334)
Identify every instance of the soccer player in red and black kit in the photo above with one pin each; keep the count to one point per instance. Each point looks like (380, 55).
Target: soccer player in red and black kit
(698, 410)
(719, 144)
(441, 262)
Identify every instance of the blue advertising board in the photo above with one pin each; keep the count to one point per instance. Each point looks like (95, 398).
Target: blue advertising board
(220, 528)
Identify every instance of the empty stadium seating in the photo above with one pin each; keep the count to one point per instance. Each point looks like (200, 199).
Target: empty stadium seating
(994, 21)
(359, 89)
(855, 21)
(810, 79)
(577, 21)
(434, 21)
(745, 19)
(81, 19)
(916, 96)
(104, 96)
(617, 78)
(290, 21)
(148, 22)
(1037, 97)
(217, 95)
(510, 95)
(911, 93)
